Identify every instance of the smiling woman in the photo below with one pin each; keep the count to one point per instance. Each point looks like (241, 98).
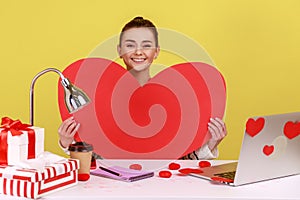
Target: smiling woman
(138, 47)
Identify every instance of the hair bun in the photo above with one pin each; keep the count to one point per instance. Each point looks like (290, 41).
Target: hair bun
(138, 18)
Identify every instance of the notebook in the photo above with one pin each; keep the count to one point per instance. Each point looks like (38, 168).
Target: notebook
(121, 173)
(270, 149)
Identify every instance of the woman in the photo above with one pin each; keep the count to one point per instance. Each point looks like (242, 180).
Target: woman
(138, 47)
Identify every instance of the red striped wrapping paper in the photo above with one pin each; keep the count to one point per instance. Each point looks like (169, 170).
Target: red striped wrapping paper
(31, 183)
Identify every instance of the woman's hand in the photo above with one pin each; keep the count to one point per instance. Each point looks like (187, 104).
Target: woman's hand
(66, 131)
(217, 129)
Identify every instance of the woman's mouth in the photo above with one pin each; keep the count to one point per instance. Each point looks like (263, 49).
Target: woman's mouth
(138, 60)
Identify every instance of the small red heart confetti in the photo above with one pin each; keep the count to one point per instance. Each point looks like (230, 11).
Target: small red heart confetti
(204, 163)
(174, 166)
(135, 166)
(190, 170)
(221, 179)
(165, 174)
(83, 177)
(185, 170)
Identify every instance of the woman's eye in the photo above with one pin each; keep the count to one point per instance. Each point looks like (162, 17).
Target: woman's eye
(147, 46)
(129, 45)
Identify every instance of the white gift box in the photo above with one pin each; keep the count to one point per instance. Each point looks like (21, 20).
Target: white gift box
(33, 183)
(24, 146)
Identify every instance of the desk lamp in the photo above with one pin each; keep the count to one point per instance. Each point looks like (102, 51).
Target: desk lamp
(75, 98)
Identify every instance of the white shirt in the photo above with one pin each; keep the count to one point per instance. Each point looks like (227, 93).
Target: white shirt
(203, 153)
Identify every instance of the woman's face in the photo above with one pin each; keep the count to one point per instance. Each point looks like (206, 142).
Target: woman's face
(138, 48)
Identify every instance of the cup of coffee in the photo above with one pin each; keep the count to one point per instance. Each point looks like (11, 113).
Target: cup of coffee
(83, 152)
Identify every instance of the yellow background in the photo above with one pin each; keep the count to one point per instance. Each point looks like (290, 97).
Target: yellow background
(255, 44)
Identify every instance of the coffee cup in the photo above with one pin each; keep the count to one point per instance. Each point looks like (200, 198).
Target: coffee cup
(83, 152)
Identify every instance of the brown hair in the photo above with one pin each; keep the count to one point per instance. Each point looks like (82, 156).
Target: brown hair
(140, 22)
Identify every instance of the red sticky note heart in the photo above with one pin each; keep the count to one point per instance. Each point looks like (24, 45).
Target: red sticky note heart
(291, 129)
(253, 127)
(165, 119)
(268, 150)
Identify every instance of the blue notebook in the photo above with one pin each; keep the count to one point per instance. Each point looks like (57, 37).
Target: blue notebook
(121, 173)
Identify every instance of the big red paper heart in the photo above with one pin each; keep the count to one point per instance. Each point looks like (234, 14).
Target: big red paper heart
(268, 150)
(253, 127)
(166, 118)
(291, 129)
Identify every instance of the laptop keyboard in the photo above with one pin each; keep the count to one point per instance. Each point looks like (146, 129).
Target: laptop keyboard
(229, 175)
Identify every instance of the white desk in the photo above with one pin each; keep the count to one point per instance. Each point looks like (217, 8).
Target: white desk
(177, 187)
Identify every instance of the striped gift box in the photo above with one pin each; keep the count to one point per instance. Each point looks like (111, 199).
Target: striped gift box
(31, 183)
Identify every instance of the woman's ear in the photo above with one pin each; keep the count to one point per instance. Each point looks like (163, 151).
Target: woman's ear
(157, 52)
(119, 50)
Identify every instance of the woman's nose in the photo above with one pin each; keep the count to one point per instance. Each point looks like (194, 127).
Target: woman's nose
(138, 51)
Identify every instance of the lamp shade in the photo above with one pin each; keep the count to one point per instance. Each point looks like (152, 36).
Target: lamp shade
(75, 98)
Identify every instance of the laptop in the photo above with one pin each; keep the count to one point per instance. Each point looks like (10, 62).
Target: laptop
(270, 149)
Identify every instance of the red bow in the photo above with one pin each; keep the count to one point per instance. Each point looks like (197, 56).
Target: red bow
(14, 126)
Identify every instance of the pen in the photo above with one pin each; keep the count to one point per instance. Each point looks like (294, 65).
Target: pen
(110, 171)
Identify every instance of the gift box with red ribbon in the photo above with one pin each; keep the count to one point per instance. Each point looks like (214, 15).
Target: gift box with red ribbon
(33, 183)
(19, 142)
